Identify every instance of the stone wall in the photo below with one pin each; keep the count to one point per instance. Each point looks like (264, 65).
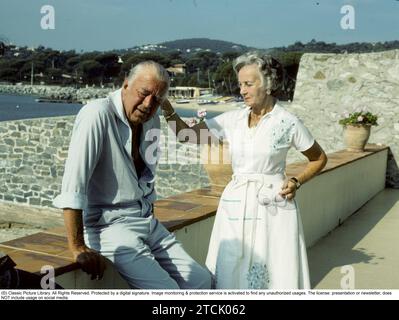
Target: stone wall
(329, 84)
(184, 174)
(33, 153)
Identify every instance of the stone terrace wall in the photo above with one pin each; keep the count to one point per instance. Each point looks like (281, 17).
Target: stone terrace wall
(33, 153)
(329, 84)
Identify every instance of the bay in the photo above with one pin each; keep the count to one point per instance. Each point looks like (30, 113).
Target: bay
(14, 107)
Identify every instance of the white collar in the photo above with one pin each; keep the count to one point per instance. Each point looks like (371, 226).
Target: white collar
(276, 108)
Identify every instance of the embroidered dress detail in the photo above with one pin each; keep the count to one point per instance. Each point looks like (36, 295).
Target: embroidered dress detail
(282, 134)
(258, 276)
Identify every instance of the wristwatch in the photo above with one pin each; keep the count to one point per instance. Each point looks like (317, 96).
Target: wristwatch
(296, 181)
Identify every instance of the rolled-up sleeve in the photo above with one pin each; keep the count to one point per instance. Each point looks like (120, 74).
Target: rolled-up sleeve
(83, 154)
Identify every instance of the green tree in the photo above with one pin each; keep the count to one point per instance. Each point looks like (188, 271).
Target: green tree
(230, 56)
(9, 74)
(175, 58)
(91, 71)
(130, 60)
(71, 63)
(226, 79)
(109, 61)
(54, 75)
(290, 61)
(204, 61)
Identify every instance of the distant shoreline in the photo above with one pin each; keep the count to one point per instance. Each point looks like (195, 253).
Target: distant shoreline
(20, 107)
(56, 93)
(68, 95)
(221, 107)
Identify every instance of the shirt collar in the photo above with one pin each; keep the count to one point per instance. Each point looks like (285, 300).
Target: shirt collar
(116, 99)
(276, 109)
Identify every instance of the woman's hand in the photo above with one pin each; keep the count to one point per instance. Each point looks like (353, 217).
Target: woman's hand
(288, 190)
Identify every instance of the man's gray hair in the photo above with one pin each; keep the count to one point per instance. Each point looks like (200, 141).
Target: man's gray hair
(271, 70)
(159, 71)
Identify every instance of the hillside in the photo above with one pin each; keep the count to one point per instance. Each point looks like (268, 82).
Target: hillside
(205, 44)
(189, 46)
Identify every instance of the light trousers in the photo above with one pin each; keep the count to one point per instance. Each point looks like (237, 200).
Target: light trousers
(144, 252)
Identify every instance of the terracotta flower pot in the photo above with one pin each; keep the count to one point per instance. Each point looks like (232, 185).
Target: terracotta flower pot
(356, 137)
(217, 163)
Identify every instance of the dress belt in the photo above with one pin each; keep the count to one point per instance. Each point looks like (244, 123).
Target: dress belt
(261, 181)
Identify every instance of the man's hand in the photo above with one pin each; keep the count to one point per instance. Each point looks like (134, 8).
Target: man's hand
(90, 261)
(288, 190)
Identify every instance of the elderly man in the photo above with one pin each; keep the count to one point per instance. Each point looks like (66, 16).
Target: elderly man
(109, 176)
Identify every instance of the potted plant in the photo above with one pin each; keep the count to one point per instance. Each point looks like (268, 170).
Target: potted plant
(357, 127)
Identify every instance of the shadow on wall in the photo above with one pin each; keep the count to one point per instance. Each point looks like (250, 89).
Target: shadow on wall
(392, 174)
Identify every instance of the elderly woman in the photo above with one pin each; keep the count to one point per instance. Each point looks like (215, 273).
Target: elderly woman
(257, 240)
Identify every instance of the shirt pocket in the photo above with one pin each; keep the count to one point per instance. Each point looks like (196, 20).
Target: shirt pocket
(231, 204)
(231, 207)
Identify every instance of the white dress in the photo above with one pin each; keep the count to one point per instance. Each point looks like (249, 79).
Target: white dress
(257, 241)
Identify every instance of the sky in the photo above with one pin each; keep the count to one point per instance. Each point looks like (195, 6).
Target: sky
(117, 24)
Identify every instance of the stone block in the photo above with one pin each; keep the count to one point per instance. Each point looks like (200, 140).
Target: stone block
(28, 194)
(15, 134)
(47, 203)
(17, 179)
(9, 142)
(21, 199)
(8, 198)
(22, 128)
(25, 170)
(55, 187)
(36, 187)
(319, 75)
(4, 148)
(21, 143)
(34, 201)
